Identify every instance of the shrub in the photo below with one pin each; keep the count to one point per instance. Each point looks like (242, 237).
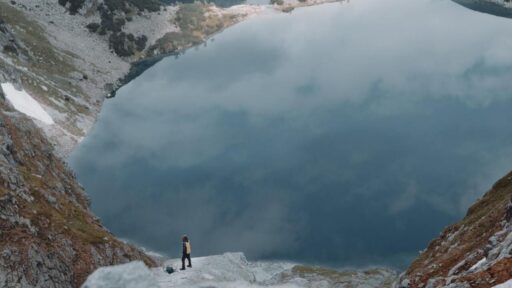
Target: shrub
(126, 45)
(140, 42)
(74, 5)
(118, 43)
(150, 5)
(93, 27)
(8, 48)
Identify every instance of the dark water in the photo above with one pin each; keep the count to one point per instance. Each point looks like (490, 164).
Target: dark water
(487, 7)
(346, 134)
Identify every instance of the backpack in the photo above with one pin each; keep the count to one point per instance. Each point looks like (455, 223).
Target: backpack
(169, 270)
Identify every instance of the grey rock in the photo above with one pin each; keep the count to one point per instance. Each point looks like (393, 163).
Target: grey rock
(52, 200)
(3, 278)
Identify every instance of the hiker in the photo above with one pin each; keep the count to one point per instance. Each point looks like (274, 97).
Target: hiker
(186, 252)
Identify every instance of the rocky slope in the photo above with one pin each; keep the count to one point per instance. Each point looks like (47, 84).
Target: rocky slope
(477, 252)
(52, 52)
(71, 54)
(48, 237)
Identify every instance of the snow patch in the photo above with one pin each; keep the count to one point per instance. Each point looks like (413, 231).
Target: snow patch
(130, 275)
(507, 284)
(478, 264)
(26, 104)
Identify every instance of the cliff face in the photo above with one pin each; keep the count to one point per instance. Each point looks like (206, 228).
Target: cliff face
(48, 237)
(477, 252)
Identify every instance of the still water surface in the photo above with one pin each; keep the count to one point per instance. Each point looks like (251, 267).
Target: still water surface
(344, 134)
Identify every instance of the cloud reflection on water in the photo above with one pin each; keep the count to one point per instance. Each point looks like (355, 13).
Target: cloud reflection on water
(346, 134)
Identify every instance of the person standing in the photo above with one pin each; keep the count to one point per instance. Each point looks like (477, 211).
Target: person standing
(186, 252)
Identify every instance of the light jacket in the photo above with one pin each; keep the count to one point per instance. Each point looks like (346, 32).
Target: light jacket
(186, 248)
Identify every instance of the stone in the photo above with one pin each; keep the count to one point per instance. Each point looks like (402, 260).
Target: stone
(51, 200)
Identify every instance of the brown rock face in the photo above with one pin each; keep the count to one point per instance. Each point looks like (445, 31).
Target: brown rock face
(473, 253)
(48, 237)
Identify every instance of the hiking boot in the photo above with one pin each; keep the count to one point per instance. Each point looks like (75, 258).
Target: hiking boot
(189, 266)
(182, 268)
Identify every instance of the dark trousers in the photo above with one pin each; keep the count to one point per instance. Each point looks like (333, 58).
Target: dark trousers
(183, 257)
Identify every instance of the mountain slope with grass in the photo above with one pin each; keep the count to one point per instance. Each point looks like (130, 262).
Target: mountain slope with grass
(48, 236)
(476, 252)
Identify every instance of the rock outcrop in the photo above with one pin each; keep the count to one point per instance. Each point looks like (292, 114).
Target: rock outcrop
(477, 252)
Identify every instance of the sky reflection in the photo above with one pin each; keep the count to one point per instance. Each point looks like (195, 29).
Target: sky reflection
(345, 134)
